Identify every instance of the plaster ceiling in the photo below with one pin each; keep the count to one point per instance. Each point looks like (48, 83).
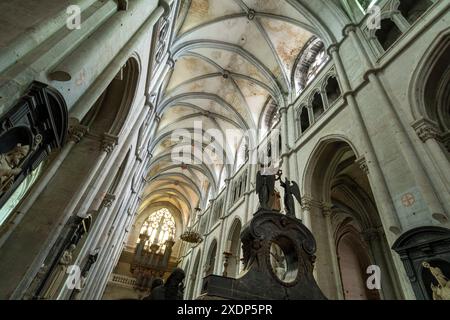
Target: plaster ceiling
(231, 57)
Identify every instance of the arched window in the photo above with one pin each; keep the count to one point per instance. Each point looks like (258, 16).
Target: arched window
(332, 89)
(317, 106)
(316, 65)
(304, 120)
(388, 33)
(160, 227)
(309, 63)
(19, 194)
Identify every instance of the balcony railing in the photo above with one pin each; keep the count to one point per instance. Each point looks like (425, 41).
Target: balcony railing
(123, 281)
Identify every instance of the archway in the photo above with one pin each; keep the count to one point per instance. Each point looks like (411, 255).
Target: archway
(346, 223)
(110, 111)
(193, 277)
(211, 258)
(234, 249)
(353, 257)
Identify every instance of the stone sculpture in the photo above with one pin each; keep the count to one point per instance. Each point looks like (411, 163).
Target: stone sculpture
(10, 165)
(265, 188)
(291, 190)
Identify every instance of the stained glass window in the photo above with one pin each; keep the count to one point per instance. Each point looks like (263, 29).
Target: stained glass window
(160, 227)
(19, 194)
(317, 64)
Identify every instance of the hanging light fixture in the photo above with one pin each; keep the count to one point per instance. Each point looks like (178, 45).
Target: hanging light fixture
(191, 235)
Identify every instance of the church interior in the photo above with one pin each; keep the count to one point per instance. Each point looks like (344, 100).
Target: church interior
(225, 149)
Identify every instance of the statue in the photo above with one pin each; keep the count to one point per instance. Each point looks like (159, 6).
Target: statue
(291, 190)
(59, 275)
(173, 289)
(265, 187)
(10, 165)
(442, 290)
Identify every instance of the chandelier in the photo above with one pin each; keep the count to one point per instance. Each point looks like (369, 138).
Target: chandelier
(191, 236)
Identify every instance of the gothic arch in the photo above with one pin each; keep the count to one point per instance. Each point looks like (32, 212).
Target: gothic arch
(233, 247)
(341, 197)
(321, 148)
(210, 262)
(431, 70)
(145, 213)
(111, 110)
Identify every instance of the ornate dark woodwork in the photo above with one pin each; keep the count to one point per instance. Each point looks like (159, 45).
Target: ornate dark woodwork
(38, 120)
(149, 264)
(259, 280)
(425, 244)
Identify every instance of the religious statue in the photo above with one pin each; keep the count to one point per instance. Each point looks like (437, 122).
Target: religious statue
(291, 190)
(265, 187)
(442, 290)
(60, 272)
(173, 289)
(10, 165)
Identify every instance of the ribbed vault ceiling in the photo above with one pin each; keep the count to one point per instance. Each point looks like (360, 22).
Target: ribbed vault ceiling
(233, 59)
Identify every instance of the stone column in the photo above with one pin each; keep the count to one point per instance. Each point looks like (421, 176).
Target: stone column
(285, 141)
(379, 187)
(326, 211)
(404, 143)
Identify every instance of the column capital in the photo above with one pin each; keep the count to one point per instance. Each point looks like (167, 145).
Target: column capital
(109, 142)
(334, 48)
(349, 29)
(283, 110)
(108, 200)
(326, 209)
(77, 132)
(426, 129)
(306, 203)
(362, 163)
(170, 62)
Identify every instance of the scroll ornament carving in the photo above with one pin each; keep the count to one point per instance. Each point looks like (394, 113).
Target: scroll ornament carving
(10, 165)
(442, 290)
